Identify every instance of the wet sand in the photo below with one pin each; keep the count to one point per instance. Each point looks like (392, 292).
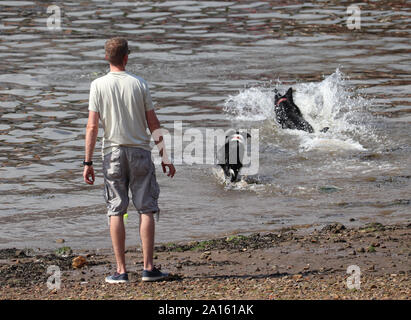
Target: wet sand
(299, 262)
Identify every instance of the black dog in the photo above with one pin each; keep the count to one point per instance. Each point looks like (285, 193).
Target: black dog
(288, 115)
(230, 156)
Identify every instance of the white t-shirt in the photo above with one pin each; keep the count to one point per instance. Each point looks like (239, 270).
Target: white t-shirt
(122, 99)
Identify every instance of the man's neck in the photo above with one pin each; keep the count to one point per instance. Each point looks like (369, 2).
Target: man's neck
(116, 68)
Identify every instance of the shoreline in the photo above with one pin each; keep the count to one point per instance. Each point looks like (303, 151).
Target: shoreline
(297, 262)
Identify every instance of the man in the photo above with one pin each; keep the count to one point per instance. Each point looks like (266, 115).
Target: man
(122, 102)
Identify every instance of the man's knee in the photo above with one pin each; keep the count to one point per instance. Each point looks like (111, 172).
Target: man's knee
(115, 218)
(147, 216)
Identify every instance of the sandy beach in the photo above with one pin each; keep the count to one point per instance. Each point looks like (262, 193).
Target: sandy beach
(299, 262)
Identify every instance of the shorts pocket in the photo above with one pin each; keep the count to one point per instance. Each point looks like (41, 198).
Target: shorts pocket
(107, 194)
(112, 164)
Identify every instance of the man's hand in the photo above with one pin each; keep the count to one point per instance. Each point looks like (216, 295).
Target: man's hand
(171, 169)
(87, 173)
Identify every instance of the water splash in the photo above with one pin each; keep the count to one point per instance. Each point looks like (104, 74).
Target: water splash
(329, 103)
(244, 183)
(253, 104)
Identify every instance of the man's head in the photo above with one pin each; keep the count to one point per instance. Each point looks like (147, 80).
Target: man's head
(117, 51)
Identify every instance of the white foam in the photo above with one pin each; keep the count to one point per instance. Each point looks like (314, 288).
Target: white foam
(242, 184)
(331, 145)
(328, 103)
(253, 104)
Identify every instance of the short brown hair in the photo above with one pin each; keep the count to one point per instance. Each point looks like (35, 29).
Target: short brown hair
(116, 49)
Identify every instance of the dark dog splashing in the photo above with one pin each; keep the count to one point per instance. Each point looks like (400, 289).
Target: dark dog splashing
(289, 115)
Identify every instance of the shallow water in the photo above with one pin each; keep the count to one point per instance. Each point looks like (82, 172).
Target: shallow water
(210, 65)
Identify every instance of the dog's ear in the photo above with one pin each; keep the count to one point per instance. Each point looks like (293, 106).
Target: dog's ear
(289, 94)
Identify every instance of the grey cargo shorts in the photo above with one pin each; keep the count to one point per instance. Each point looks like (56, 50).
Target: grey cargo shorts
(130, 168)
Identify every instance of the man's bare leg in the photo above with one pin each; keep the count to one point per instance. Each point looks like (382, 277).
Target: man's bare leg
(118, 238)
(147, 238)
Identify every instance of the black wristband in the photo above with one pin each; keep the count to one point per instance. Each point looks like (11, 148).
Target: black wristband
(87, 163)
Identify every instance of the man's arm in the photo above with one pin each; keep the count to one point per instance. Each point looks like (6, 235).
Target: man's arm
(91, 138)
(155, 129)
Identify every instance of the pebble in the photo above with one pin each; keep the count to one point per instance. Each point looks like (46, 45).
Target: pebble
(205, 255)
(78, 262)
(372, 268)
(19, 253)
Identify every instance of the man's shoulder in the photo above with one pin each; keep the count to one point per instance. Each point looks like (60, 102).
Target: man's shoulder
(137, 78)
(99, 80)
(107, 80)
